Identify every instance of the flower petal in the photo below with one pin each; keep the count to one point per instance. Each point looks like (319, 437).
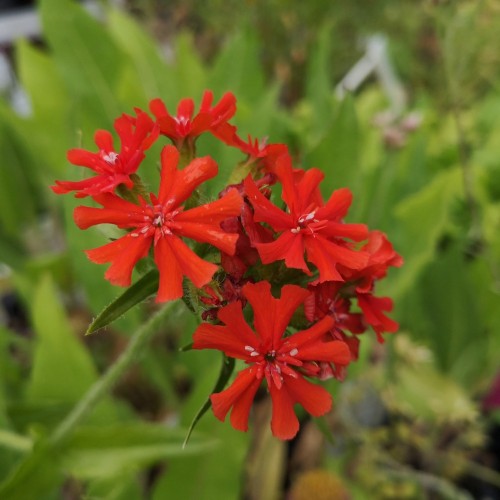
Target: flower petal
(325, 255)
(292, 296)
(284, 422)
(104, 140)
(229, 205)
(245, 385)
(232, 316)
(356, 232)
(130, 216)
(315, 399)
(123, 254)
(199, 271)
(335, 351)
(228, 339)
(170, 286)
(264, 210)
(176, 186)
(264, 308)
(312, 334)
(205, 233)
(242, 406)
(373, 308)
(337, 206)
(288, 247)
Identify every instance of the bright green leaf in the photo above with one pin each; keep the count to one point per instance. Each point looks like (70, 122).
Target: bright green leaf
(155, 74)
(106, 451)
(86, 55)
(62, 368)
(422, 219)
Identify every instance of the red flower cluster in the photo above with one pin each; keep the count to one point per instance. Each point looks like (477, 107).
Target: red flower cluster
(251, 246)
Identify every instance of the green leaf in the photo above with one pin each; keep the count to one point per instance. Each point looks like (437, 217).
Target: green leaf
(337, 154)
(106, 451)
(85, 53)
(134, 295)
(155, 74)
(238, 68)
(18, 201)
(62, 368)
(450, 315)
(50, 104)
(36, 476)
(318, 90)
(224, 374)
(422, 219)
(190, 74)
(12, 252)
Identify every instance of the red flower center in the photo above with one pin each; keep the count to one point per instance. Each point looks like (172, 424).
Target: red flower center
(308, 221)
(158, 222)
(272, 364)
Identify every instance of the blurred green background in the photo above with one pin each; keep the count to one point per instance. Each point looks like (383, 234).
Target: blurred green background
(418, 143)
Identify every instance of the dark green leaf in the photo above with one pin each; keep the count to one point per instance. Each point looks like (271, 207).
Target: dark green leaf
(134, 295)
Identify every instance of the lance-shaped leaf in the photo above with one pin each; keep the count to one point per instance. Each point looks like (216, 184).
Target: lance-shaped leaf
(139, 291)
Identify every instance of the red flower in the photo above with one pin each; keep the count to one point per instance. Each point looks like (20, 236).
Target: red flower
(136, 135)
(373, 310)
(257, 150)
(161, 224)
(209, 119)
(309, 226)
(326, 300)
(272, 356)
(381, 256)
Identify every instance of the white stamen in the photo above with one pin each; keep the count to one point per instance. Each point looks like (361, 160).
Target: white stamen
(252, 351)
(307, 218)
(145, 229)
(110, 158)
(295, 230)
(181, 120)
(134, 235)
(294, 352)
(157, 220)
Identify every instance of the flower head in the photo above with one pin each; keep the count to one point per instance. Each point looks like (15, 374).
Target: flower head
(309, 226)
(161, 224)
(184, 127)
(280, 360)
(260, 151)
(112, 167)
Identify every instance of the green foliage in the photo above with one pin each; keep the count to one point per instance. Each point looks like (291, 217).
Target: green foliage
(446, 294)
(62, 369)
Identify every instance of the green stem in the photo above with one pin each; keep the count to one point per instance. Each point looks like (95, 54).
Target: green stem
(9, 439)
(110, 377)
